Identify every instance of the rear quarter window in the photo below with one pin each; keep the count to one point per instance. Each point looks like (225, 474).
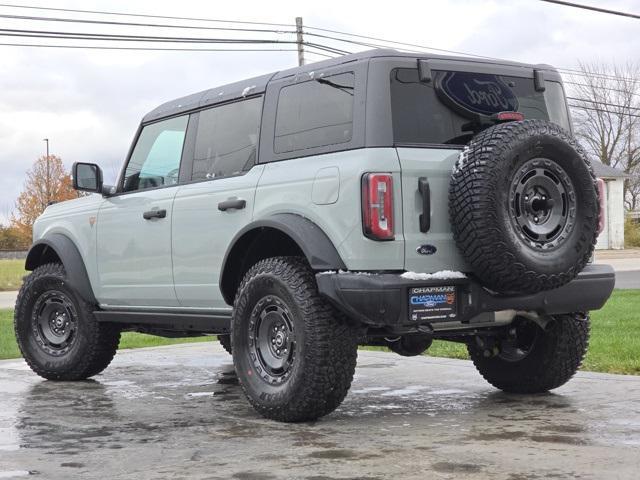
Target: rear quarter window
(315, 113)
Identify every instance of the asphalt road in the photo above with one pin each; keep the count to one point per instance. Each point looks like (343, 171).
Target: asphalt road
(178, 412)
(628, 279)
(8, 299)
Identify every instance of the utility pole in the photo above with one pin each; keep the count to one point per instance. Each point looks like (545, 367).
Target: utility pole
(46, 140)
(299, 41)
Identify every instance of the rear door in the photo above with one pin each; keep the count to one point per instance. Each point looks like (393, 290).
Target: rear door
(432, 121)
(218, 202)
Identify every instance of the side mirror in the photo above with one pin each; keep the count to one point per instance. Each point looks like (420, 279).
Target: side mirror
(87, 177)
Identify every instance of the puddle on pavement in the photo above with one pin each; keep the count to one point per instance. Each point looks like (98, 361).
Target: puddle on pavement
(16, 473)
(182, 406)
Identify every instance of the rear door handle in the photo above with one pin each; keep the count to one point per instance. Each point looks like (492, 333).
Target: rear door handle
(155, 213)
(237, 203)
(425, 216)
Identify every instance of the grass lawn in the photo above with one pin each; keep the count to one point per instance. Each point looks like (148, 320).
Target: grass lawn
(11, 273)
(614, 345)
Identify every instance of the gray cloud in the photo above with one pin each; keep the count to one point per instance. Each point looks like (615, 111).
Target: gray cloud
(90, 102)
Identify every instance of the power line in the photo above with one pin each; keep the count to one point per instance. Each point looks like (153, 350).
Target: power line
(603, 110)
(594, 9)
(184, 49)
(612, 89)
(596, 102)
(377, 39)
(605, 76)
(138, 24)
(123, 14)
(326, 48)
(393, 43)
(123, 38)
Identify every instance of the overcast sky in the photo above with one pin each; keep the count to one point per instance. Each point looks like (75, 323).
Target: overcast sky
(89, 102)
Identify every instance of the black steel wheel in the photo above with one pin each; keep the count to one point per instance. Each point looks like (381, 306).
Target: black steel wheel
(523, 207)
(294, 354)
(272, 339)
(56, 330)
(530, 359)
(520, 340)
(542, 201)
(54, 321)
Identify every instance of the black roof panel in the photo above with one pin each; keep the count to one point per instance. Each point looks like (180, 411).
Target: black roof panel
(259, 84)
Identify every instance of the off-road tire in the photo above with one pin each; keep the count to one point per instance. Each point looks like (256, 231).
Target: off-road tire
(554, 359)
(483, 211)
(94, 344)
(325, 348)
(225, 341)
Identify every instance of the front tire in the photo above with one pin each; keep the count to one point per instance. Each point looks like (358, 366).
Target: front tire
(533, 360)
(293, 353)
(225, 341)
(57, 333)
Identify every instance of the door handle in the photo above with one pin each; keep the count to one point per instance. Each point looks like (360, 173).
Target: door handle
(148, 215)
(237, 203)
(425, 216)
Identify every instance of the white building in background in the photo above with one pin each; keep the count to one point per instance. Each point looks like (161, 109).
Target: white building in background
(612, 237)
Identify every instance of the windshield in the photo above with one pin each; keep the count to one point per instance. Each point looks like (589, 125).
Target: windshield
(456, 105)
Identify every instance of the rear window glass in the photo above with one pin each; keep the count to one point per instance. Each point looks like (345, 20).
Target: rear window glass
(315, 113)
(448, 109)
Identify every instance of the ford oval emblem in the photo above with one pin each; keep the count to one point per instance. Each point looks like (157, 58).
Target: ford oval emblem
(426, 249)
(476, 93)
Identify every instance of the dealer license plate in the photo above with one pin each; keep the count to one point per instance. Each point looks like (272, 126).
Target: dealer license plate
(432, 303)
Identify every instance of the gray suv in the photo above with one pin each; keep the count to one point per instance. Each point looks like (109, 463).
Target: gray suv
(381, 198)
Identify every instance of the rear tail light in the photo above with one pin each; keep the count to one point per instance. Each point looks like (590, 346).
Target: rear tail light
(603, 204)
(377, 205)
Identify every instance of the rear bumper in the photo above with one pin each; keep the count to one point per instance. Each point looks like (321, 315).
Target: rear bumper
(382, 300)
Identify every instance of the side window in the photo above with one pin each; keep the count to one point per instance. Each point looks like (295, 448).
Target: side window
(155, 160)
(226, 139)
(315, 113)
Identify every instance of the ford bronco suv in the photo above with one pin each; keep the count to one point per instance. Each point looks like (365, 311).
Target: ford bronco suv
(380, 198)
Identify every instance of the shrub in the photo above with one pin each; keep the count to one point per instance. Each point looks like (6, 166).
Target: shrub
(631, 233)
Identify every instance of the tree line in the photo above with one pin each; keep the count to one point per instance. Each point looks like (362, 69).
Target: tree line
(47, 181)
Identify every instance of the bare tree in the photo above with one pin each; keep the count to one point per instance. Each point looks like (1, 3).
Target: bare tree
(606, 110)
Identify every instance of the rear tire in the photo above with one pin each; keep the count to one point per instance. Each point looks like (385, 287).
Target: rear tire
(293, 353)
(57, 333)
(536, 360)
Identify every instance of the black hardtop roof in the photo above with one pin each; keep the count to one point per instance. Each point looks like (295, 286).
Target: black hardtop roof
(255, 85)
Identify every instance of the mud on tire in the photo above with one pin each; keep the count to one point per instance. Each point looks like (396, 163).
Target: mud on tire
(294, 354)
(57, 333)
(552, 358)
(523, 207)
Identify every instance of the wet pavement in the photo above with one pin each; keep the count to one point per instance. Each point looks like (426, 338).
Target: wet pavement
(178, 412)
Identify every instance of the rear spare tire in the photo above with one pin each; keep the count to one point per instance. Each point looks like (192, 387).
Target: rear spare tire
(523, 204)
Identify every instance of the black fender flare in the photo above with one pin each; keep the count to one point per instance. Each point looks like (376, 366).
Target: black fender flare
(71, 259)
(314, 243)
